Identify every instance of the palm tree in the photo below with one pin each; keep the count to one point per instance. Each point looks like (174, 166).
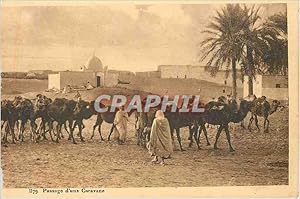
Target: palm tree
(266, 46)
(225, 44)
(236, 36)
(255, 46)
(276, 56)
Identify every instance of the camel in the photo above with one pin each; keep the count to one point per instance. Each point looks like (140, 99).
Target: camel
(176, 120)
(143, 126)
(25, 110)
(83, 110)
(260, 107)
(222, 115)
(179, 120)
(9, 117)
(108, 117)
(60, 110)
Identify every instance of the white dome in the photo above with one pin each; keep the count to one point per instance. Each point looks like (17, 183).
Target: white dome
(94, 64)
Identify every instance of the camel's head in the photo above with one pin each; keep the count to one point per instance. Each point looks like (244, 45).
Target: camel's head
(7, 104)
(42, 101)
(244, 106)
(84, 109)
(274, 106)
(17, 101)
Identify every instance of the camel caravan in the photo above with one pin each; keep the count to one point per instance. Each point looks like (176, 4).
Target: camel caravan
(65, 115)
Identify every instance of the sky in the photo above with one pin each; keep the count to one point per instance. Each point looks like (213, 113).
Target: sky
(124, 36)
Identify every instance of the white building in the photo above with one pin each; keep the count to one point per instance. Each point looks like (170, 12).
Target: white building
(271, 86)
(93, 73)
(197, 72)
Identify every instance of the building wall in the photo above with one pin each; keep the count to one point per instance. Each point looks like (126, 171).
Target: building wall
(154, 74)
(257, 88)
(54, 81)
(111, 79)
(77, 78)
(180, 71)
(266, 86)
(270, 81)
(197, 72)
(102, 78)
(276, 93)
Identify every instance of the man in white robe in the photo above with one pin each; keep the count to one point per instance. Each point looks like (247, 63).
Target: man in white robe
(120, 123)
(160, 144)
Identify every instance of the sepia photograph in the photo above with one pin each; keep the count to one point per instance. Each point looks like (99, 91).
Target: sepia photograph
(102, 95)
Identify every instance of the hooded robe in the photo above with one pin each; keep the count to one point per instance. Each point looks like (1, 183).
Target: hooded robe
(120, 122)
(160, 143)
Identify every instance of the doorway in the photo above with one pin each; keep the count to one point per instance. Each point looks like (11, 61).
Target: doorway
(98, 81)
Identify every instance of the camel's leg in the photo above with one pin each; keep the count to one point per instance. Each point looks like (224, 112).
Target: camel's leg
(145, 137)
(44, 129)
(18, 124)
(80, 127)
(172, 136)
(138, 136)
(99, 130)
(50, 130)
(199, 132)
(217, 136)
(243, 124)
(2, 125)
(205, 133)
(191, 136)
(12, 130)
(94, 127)
(58, 130)
(111, 131)
(266, 124)
(195, 137)
(71, 131)
(22, 129)
(33, 127)
(7, 129)
(66, 129)
(39, 126)
(74, 126)
(179, 138)
(228, 138)
(3, 134)
(250, 122)
(256, 122)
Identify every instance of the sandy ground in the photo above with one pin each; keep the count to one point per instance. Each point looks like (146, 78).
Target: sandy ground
(260, 159)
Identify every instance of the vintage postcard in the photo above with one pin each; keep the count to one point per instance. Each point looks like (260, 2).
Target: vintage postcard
(149, 98)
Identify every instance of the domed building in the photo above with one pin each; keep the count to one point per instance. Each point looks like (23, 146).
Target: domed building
(93, 64)
(93, 74)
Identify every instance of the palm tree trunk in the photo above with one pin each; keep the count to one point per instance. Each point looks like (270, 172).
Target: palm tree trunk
(234, 92)
(250, 85)
(250, 70)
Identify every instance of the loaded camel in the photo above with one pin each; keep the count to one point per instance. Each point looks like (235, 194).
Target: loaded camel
(222, 114)
(260, 107)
